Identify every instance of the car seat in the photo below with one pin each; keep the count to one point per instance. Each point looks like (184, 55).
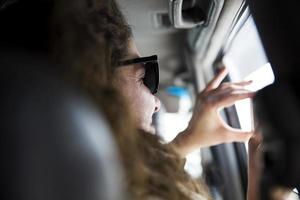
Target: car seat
(55, 145)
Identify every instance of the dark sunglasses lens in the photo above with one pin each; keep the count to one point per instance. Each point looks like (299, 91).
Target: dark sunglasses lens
(151, 76)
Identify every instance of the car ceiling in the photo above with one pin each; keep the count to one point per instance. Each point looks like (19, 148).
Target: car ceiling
(156, 36)
(153, 36)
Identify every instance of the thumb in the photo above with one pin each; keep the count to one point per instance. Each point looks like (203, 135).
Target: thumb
(241, 136)
(255, 141)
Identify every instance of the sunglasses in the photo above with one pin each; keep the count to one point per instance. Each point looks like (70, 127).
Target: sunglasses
(151, 79)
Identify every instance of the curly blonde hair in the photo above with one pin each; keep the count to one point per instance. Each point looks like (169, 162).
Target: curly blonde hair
(90, 37)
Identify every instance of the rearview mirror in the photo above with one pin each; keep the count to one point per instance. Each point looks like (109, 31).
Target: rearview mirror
(189, 13)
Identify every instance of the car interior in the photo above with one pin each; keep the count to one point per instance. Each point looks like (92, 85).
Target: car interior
(254, 39)
(193, 39)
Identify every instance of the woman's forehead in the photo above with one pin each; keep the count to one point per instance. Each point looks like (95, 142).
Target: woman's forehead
(137, 68)
(134, 69)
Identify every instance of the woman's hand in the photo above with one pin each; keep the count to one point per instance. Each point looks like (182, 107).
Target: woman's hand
(206, 127)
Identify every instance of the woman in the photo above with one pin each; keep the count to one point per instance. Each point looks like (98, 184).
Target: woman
(104, 25)
(80, 31)
(90, 39)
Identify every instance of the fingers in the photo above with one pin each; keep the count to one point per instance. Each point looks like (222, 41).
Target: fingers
(231, 134)
(216, 81)
(226, 93)
(239, 136)
(255, 141)
(229, 97)
(225, 87)
(242, 83)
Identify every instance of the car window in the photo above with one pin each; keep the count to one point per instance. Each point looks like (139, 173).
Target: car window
(246, 60)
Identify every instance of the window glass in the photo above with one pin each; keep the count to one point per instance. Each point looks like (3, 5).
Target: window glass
(174, 116)
(246, 60)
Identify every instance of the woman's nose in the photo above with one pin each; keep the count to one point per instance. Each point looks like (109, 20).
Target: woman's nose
(157, 104)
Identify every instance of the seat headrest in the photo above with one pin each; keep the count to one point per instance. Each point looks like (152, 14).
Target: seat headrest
(56, 145)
